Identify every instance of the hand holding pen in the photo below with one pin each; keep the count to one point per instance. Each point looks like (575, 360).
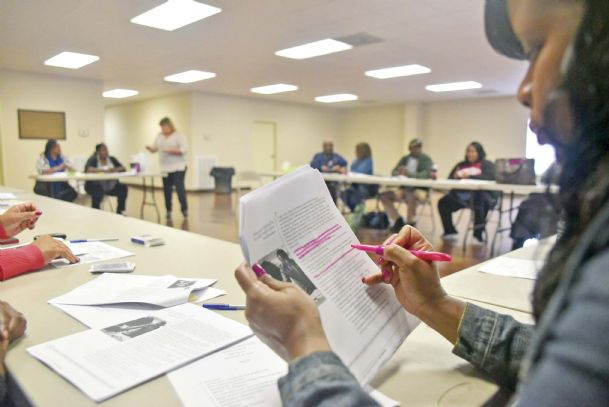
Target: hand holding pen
(416, 282)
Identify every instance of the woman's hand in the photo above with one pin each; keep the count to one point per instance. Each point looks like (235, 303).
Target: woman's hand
(54, 249)
(282, 315)
(19, 217)
(416, 282)
(12, 322)
(151, 149)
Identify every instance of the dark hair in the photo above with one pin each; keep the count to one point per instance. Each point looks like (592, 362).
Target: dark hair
(48, 147)
(99, 147)
(365, 149)
(282, 253)
(479, 149)
(584, 185)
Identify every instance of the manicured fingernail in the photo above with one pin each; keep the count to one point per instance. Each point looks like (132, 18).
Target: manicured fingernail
(258, 270)
(386, 276)
(364, 280)
(38, 213)
(380, 260)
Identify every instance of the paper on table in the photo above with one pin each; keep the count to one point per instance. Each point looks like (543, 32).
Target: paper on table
(100, 316)
(244, 375)
(7, 195)
(510, 267)
(294, 230)
(109, 288)
(91, 252)
(104, 363)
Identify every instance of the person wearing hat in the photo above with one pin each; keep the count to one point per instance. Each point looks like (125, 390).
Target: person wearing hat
(414, 165)
(563, 358)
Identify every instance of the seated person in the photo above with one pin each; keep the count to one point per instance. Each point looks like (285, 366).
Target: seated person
(537, 215)
(329, 161)
(12, 327)
(414, 165)
(102, 162)
(475, 166)
(356, 194)
(42, 251)
(50, 162)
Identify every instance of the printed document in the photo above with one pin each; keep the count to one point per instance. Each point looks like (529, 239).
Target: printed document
(91, 252)
(110, 288)
(244, 375)
(105, 362)
(293, 229)
(509, 267)
(100, 316)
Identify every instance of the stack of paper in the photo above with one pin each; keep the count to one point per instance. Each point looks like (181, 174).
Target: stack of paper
(510, 267)
(91, 252)
(105, 362)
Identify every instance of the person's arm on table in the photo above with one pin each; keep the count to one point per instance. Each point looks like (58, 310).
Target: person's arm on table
(284, 317)
(397, 170)
(12, 326)
(424, 169)
(118, 167)
(488, 171)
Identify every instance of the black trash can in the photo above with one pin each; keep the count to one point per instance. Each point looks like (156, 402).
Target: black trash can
(224, 179)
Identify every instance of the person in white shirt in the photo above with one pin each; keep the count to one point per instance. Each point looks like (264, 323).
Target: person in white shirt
(172, 147)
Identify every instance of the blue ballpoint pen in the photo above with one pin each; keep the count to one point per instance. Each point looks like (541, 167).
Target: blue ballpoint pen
(224, 307)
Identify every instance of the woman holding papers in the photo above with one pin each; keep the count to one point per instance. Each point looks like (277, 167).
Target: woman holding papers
(564, 359)
(34, 256)
(172, 147)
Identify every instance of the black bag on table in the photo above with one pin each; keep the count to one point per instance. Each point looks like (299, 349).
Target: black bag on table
(519, 171)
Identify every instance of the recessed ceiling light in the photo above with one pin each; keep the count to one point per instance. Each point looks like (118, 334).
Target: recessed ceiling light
(314, 49)
(453, 86)
(397, 71)
(119, 93)
(174, 14)
(190, 76)
(276, 88)
(341, 97)
(72, 60)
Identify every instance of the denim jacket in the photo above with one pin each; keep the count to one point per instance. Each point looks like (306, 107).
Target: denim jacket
(562, 361)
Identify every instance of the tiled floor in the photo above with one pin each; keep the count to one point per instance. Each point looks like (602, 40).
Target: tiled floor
(216, 216)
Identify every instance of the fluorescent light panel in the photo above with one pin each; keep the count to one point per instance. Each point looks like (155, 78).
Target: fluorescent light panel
(174, 14)
(119, 93)
(71, 60)
(397, 71)
(272, 89)
(190, 76)
(314, 49)
(341, 97)
(453, 86)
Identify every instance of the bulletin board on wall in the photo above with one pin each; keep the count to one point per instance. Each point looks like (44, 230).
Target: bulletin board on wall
(38, 124)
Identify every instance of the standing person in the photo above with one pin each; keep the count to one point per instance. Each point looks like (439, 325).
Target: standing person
(103, 162)
(329, 161)
(51, 162)
(414, 165)
(172, 147)
(475, 166)
(362, 164)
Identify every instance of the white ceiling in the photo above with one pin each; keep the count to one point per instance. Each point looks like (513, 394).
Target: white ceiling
(239, 45)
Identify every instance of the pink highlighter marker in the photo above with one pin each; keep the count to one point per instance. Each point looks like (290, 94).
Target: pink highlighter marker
(421, 254)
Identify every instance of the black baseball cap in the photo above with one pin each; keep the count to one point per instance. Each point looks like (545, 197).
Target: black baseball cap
(499, 31)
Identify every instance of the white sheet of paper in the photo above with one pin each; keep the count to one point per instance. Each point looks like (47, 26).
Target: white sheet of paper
(91, 252)
(243, 375)
(100, 316)
(104, 363)
(110, 288)
(293, 229)
(7, 195)
(509, 267)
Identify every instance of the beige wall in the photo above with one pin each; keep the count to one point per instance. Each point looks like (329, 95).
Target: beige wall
(498, 123)
(132, 126)
(80, 99)
(381, 126)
